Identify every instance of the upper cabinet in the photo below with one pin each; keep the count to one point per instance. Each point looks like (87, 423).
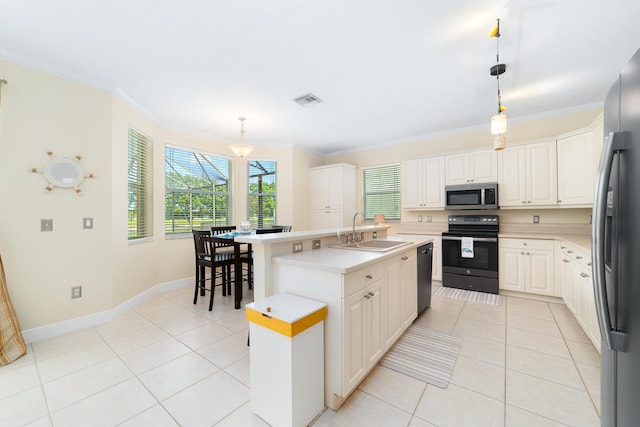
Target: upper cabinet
(422, 183)
(575, 169)
(333, 195)
(527, 175)
(474, 166)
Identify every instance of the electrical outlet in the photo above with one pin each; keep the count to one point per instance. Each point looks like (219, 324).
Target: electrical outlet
(296, 247)
(87, 223)
(419, 218)
(536, 219)
(315, 244)
(76, 292)
(46, 225)
(429, 219)
(374, 234)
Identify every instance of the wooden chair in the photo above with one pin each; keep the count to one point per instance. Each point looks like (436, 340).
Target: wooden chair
(206, 256)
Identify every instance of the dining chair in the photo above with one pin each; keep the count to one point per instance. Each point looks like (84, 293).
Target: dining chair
(206, 256)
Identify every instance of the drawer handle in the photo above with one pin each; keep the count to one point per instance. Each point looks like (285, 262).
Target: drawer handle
(404, 258)
(565, 260)
(369, 276)
(584, 275)
(578, 257)
(371, 294)
(589, 264)
(367, 296)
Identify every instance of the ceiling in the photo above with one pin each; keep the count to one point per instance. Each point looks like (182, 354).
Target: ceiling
(386, 71)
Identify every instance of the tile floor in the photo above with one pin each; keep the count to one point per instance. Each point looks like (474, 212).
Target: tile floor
(168, 362)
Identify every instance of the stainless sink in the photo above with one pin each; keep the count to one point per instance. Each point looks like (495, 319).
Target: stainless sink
(373, 245)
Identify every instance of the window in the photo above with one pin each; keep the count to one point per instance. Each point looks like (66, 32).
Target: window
(381, 191)
(140, 185)
(197, 191)
(262, 194)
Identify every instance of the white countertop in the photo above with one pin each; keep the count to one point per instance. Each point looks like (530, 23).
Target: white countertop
(344, 261)
(292, 236)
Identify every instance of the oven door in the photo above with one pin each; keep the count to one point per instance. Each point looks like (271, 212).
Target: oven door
(484, 262)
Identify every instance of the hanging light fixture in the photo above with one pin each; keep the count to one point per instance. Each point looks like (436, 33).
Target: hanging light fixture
(241, 149)
(498, 121)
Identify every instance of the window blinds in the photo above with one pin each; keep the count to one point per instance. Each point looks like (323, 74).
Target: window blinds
(140, 185)
(381, 191)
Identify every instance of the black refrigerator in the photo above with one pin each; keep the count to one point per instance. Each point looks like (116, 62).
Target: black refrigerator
(616, 250)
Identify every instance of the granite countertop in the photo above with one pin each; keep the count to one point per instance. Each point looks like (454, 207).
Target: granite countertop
(344, 261)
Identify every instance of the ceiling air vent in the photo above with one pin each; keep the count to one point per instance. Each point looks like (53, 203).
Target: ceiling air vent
(307, 100)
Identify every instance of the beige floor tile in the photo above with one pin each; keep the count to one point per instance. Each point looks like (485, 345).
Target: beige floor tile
(155, 416)
(528, 307)
(240, 370)
(176, 375)
(152, 304)
(484, 312)
(395, 388)
(484, 350)
(74, 387)
(562, 314)
(538, 342)
(533, 324)
(516, 417)
(176, 321)
(42, 422)
(478, 329)
(584, 353)
(236, 321)
(481, 377)
(437, 320)
(447, 305)
(203, 335)
(73, 361)
(53, 347)
(136, 339)
(419, 422)
(23, 408)
(573, 332)
(362, 409)
(17, 380)
(591, 375)
(226, 351)
(456, 406)
(108, 407)
(148, 357)
(545, 366)
(550, 400)
(122, 326)
(242, 417)
(208, 401)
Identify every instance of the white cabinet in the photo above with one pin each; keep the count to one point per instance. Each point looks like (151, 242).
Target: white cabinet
(333, 196)
(527, 265)
(527, 175)
(575, 169)
(474, 166)
(363, 333)
(401, 276)
(577, 289)
(422, 183)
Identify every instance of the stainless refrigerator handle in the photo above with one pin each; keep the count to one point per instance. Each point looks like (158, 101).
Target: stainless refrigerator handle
(475, 239)
(614, 340)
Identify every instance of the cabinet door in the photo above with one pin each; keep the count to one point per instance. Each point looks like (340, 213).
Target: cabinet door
(575, 170)
(542, 172)
(374, 322)
(457, 169)
(512, 185)
(319, 189)
(567, 282)
(540, 272)
(394, 321)
(483, 166)
(354, 341)
(409, 287)
(412, 184)
(334, 179)
(512, 269)
(436, 265)
(433, 182)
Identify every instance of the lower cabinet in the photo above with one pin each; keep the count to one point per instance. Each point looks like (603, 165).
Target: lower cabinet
(577, 289)
(527, 265)
(401, 299)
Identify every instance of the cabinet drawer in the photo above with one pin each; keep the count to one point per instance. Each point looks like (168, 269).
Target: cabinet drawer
(583, 258)
(362, 278)
(539, 244)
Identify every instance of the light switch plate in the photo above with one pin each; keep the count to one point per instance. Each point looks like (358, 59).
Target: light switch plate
(536, 219)
(46, 225)
(87, 223)
(419, 218)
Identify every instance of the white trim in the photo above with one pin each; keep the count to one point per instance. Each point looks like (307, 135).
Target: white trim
(100, 318)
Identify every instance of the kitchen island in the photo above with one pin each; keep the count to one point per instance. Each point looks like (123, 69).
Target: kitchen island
(371, 297)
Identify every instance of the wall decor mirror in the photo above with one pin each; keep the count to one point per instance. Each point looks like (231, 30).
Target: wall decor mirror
(63, 173)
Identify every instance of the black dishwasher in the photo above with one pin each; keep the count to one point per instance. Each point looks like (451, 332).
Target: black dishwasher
(425, 258)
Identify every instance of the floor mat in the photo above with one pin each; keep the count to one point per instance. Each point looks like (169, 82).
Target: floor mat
(424, 354)
(463, 294)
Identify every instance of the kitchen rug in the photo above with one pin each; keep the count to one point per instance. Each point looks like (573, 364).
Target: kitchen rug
(463, 294)
(424, 354)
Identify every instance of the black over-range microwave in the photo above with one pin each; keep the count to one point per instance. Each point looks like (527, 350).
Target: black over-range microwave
(472, 196)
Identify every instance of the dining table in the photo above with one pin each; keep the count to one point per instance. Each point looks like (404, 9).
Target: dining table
(228, 239)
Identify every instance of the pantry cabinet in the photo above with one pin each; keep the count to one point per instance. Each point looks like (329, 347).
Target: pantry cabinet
(333, 195)
(527, 175)
(474, 166)
(575, 169)
(422, 183)
(527, 265)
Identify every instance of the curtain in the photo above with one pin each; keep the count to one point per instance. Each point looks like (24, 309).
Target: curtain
(12, 345)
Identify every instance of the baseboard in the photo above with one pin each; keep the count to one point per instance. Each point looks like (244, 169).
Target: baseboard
(97, 319)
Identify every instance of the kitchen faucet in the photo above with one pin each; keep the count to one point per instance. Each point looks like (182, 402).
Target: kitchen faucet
(354, 238)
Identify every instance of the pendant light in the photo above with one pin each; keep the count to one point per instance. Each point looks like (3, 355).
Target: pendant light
(242, 149)
(498, 121)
